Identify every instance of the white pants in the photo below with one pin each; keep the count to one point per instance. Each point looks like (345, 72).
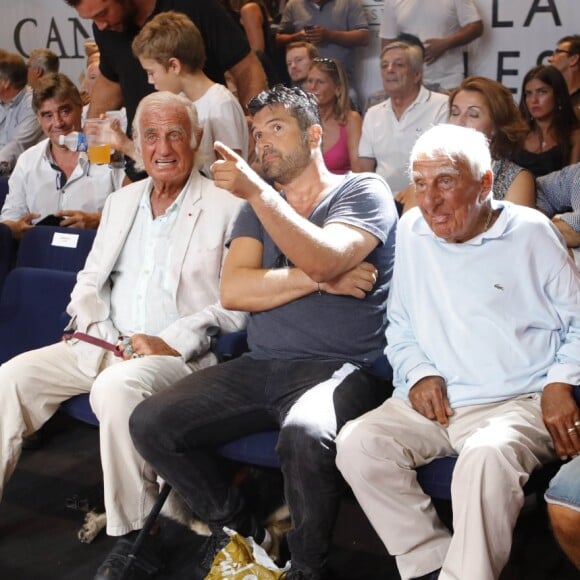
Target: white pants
(498, 444)
(32, 386)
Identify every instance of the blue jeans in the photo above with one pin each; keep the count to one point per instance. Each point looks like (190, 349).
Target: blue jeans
(178, 430)
(564, 489)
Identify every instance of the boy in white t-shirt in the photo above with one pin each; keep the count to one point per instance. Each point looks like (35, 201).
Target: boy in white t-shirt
(171, 51)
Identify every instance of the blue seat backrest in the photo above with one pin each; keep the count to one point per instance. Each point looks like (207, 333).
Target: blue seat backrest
(55, 248)
(7, 252)
(31, 307)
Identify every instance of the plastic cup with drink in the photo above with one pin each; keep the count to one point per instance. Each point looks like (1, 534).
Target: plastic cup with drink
(99, 141)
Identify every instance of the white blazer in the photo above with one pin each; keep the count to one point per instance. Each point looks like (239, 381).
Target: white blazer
(202, 228)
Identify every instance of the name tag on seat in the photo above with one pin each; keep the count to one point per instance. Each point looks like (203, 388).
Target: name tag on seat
(63, 240)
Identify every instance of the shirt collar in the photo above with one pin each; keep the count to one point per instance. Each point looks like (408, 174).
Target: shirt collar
(319, 7)
(423, 96)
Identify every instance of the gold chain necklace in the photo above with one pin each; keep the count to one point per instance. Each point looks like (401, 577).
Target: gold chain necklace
(488, 219)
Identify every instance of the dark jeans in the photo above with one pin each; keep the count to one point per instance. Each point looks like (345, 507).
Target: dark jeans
(178, 430)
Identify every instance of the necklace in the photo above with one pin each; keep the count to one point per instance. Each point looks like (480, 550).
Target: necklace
(488, 220)
(541, 140)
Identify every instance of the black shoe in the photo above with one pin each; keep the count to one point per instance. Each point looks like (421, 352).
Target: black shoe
(208, 550)
(122, 564)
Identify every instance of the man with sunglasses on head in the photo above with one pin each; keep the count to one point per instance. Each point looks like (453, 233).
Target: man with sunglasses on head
(311, 263)
(566, 58)
(335, 27)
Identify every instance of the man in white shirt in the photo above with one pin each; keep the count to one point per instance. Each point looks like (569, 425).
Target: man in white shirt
(51, 180)
(483, 366)
(391, 128)
(444, 27)
(139, 311)
(19, 128)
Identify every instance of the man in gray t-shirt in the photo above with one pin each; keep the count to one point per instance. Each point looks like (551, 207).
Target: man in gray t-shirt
(312, 266)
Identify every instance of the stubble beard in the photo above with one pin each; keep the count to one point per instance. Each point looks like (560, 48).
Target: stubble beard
(286, 169)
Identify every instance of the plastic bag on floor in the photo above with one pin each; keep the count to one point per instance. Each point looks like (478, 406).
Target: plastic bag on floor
(243, 559)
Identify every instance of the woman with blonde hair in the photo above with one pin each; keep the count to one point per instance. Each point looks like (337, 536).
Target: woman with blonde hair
(487, 106)
(341, 125)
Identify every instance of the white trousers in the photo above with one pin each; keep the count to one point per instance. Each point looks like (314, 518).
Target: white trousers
(32, 386)
(498, 444)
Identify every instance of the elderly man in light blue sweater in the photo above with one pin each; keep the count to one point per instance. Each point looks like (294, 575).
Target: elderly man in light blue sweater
(484, 339)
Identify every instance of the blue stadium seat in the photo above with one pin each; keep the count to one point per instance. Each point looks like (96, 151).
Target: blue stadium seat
(31, 307)
(7, 252)
(32, 315)
(79, 407)
(55, 248)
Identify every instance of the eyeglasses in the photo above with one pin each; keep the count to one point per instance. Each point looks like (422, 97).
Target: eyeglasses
(558, 50)
(326, 61)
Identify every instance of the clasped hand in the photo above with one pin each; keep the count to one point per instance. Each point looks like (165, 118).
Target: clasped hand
(316, 35)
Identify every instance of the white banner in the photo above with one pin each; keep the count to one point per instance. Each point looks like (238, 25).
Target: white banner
(518, 35)
(28, 24)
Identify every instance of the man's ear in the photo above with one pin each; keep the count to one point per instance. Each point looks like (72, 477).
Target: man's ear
(36, 72)
(314, 135)
(486, 184)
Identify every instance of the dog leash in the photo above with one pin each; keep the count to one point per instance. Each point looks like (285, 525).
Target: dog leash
(82, 336)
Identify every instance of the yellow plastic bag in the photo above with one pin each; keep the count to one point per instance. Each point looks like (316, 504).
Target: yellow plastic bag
(243, 559)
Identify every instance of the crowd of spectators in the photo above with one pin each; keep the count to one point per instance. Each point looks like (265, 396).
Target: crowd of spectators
(312, 267)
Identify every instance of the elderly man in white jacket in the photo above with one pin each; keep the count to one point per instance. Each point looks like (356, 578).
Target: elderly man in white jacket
(139, 311)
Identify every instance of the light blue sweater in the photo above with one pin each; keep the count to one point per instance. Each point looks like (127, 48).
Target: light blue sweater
(496, 317)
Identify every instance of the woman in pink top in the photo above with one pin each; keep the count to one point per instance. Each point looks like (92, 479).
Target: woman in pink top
(341, 125)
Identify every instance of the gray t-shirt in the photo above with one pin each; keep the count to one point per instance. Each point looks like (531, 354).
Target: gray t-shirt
(326, 326)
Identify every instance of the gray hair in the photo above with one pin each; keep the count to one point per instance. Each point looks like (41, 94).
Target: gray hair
(457, 144)
(45, 59)
(414, 52)
(167, 99)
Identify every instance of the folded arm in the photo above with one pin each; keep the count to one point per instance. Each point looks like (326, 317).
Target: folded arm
(247, 286)
(322, 253)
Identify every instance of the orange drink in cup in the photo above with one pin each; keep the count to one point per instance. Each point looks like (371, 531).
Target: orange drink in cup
(99, 146)
(99, 154)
